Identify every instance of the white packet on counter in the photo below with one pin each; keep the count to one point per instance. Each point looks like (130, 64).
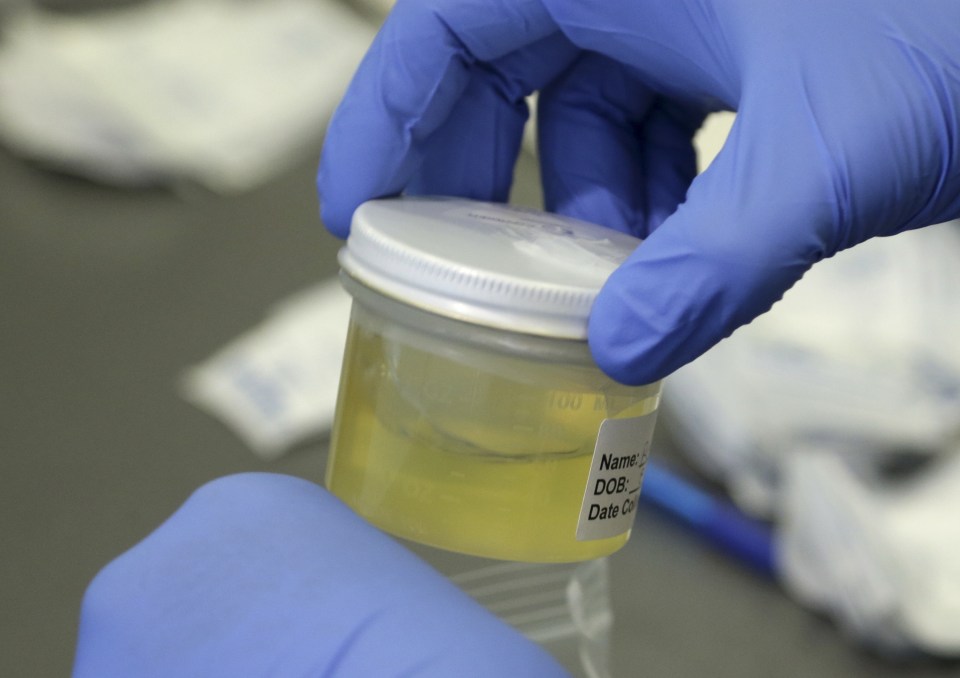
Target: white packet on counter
(276, 384)
(862, 352)
(881, 556)
(223, 92)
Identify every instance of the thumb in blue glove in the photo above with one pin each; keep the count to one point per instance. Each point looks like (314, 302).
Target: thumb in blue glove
(268, 575)
(847, 128)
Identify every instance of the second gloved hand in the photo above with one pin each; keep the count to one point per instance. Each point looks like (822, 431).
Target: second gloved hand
(848, 127)
(268, 575)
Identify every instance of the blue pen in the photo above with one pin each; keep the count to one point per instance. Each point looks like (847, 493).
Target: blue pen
(717, 520)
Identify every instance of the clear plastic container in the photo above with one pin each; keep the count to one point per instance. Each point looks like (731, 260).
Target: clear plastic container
(563, 607)
(471, 416)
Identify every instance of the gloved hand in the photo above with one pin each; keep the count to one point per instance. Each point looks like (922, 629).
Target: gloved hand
(267, 575)
(848, 127)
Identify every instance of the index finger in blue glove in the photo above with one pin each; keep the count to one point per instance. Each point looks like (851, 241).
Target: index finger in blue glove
(266, 575)
(611, 150)
(473, 153)
(422, 61)
(748, 230)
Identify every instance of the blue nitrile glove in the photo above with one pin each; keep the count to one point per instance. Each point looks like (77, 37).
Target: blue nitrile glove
(268, 575)
(848, 128)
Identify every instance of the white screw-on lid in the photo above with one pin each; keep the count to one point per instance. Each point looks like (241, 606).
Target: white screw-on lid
(485, 263)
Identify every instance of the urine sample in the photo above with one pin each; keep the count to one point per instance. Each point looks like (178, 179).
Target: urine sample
(471, 416)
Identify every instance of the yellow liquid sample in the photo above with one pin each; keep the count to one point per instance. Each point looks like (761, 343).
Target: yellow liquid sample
(487, 462)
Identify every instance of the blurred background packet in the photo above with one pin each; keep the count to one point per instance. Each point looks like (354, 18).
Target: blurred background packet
(224, 93)
(835, 416)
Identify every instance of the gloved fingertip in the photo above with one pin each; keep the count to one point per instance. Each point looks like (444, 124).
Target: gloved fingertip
(662, 308)
(334, 214)
(619, 346)
(335, 221)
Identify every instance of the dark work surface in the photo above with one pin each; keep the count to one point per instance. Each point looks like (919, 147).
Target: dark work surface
(108, 295)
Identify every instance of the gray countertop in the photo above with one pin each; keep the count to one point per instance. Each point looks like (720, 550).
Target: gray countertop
(108, 295)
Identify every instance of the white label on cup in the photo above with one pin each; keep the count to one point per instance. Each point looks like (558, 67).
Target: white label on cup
(616, 473)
